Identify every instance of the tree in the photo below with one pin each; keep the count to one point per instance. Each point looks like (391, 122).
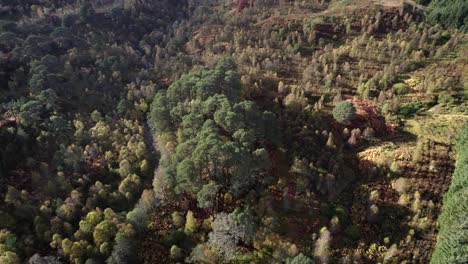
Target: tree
(231, 229)
(87, 12)
(9, 258)
(138, 217)
(186, 177)
(452, 13)
(202, 254)
(124, 250)
(338, 98)
(8, 242)
(177, 219)
(330, 140)
(368, 132)
(176, 252)
(124, 168)
(130, 186)
(300, 259)
(8, 40)
(37, 259)
(147, 200)
(345, 133)
(216, 133)
(104, 232)
(92, 219)
(206, 197)
(159, 118)
(395, 168)
(282, 89)
(191, 224)
(401, 88)
(344, 112)
(322, 246)
(452, 237)
(354, 138)
(372, 213)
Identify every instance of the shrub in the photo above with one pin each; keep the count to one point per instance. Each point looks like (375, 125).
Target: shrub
(409, 109)
(445, 98)
(344, 112)
(401, 88)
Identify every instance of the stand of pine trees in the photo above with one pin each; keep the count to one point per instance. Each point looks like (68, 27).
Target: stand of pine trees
(452, 241)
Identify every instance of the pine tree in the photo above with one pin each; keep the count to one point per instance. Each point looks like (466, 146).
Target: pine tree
(344, 112)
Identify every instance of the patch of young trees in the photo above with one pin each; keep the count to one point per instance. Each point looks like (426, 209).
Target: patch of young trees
(452, 238)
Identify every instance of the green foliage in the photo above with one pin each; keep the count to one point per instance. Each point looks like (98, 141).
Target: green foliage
(452, 240)
(92, 219)
(139, 219)
(229, 230)
(9, 40)
(220, 138)
(53, 75)
(176, 252)
(9, 258)
(175, 237)
(445, 98)
(451, 13)
(395, 168)
(104, 232)
(344, 111)
(401, 88)
(409, 109)
(124, 250)
(78, 77)
(207, 196)
(300, 259)
(130, 186)
(191, 223)
(177, 219)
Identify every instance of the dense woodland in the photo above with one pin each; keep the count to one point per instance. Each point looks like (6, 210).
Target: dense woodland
(233, 131)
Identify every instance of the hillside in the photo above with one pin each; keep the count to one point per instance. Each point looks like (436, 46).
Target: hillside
(205, 131)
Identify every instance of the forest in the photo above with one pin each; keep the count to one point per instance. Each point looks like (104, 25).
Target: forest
(233, 131)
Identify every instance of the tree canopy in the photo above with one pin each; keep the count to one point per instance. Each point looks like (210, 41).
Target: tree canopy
(344, 111)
